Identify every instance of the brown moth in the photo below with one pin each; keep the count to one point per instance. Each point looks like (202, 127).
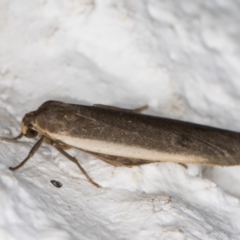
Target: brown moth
(124, 137)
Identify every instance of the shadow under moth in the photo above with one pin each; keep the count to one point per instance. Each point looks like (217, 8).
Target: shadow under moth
(124, 137)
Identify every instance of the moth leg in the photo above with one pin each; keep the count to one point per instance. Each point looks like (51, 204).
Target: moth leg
(58, 147)
(183, 165)
(63, 146)
(129, 162)
(30, 154)
(118, 161)
(12, 139)
(136, 110)
(105, 159)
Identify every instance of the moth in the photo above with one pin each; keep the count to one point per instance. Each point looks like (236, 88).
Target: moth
(124, 137)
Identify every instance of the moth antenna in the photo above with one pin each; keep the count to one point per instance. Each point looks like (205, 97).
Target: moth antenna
(140, 109)
(76, 162)
(12, 139)
(136, 110)
(30, 154)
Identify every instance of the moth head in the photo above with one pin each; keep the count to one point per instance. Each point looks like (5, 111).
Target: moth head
(27, 126)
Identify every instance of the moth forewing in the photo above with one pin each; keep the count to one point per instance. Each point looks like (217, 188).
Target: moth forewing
(126, 138)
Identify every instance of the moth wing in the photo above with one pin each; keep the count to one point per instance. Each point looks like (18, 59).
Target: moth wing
(212, 145)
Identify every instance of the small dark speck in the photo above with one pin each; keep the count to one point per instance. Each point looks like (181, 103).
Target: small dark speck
(56, 183)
